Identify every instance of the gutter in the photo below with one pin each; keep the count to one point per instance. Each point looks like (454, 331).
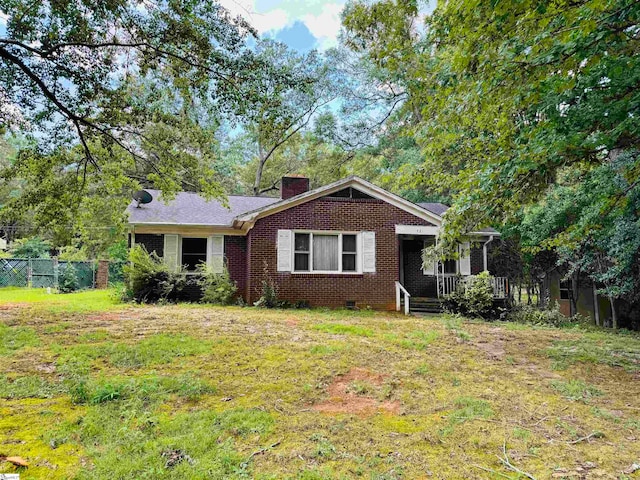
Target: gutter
(484, 252)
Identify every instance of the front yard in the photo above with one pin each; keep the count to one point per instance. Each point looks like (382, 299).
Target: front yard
(93, 389)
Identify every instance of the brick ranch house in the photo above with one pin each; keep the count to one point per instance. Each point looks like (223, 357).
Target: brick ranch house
(346, 244)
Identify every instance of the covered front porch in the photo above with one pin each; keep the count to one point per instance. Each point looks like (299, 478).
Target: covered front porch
(427, 286)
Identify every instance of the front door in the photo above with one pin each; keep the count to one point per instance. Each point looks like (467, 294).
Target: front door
(415, 281)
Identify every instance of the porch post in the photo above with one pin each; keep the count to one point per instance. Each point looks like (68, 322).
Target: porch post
(484, 253)
(397, 298)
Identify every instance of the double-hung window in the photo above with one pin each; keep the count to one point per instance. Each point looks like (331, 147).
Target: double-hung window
(566, 289)
(302, 252)
(194, 252)
(325, 252)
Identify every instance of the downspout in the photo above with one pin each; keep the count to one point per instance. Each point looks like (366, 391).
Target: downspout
(484, 253)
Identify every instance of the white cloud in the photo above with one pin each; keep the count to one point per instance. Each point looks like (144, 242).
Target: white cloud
(273, 20)
(326, 25)
(263, 22)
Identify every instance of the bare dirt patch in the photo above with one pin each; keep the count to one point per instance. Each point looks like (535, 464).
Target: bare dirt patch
(342, 400)
(494, 349)
(111, 316)
(292, 322)
(13, 306)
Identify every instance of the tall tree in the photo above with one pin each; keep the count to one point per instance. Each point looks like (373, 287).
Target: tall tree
(514, 99)
(66, 69)
(281, 111)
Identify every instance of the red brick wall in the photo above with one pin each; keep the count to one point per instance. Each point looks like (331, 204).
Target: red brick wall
(235, 252)
(102, 275)
(477, 259)
(153, 242)
(339, 214)
(292, 186)
(415, 281)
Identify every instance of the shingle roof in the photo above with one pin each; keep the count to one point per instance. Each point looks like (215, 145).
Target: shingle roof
(437, 208)
(189, 208)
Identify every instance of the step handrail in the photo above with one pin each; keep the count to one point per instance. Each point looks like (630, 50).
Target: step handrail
(400, 290)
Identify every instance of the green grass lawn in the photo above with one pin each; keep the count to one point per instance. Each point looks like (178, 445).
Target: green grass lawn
(84, 301)
(93, 389)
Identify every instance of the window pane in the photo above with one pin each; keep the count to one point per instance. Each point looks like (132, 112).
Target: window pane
(302, 242)
(325, 252)
(194, 245)
(349, 262)
(450, 266)
(194, 252)
(348, 243)
(301, 262)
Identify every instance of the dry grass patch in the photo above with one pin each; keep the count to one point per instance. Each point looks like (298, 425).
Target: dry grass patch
(189, 391)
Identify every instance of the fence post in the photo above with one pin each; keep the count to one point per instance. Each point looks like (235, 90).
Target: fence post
(29, 273)
(102, 276)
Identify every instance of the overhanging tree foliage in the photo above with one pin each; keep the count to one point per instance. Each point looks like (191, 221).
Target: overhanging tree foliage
(518, 102)
(67, 70)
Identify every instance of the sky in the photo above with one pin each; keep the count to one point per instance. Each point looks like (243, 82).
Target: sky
(301, 24)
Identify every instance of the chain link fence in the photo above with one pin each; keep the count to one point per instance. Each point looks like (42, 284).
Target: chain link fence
(43, 272)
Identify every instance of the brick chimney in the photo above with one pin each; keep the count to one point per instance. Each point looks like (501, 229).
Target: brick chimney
(293, 185)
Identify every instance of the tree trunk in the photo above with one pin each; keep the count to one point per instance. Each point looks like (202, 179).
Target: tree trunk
(261, 161)
(614, 314)
(543, 293)
(520, 292)
(596, 305)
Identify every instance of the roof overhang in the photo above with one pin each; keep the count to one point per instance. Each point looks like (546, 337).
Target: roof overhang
(183, 229)
(247, 220)
(420, 230)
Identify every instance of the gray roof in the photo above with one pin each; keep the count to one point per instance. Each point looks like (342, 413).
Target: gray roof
(437, 208)
(440, 208)
(189, 208)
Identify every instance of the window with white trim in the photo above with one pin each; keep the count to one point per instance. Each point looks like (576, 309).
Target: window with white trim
(325, 252)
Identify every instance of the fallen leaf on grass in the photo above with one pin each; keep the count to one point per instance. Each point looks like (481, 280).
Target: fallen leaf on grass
(17, 461)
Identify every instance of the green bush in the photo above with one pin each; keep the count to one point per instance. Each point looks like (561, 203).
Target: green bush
(69, 281)
(536, 316)
(217, 288)
(473, 298)
(269, 297)
(30, 248)
(148, 278)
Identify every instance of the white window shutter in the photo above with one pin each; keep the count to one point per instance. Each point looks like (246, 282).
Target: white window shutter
(430, 268)
(368, 251)
(215, 253)
(284, 250)
(465, 258)
(172, 251)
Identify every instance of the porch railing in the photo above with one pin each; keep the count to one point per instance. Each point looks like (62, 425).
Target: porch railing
(500, 287)
(400, 290)
(448, 284)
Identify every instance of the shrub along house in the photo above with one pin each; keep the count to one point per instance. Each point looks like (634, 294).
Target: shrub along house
(346, 244)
